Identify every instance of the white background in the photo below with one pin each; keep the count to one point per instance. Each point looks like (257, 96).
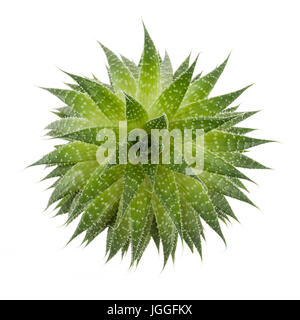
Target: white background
(262, 259)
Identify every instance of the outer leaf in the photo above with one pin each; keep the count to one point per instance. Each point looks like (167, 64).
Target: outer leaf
(73, 180)
(190, 223)
(133, 68)
(65, 112)
(154, 233)
(183, 67)
(107, 101)
(160, 122)
(146, 236)
(221, 204)
(166, 190)
(101, 224)
(166, 227)
(101, 179)
(99, 211)
(214, 163)
(74, 87)
(139, 211)
(120, 234)
(201, 88)
(136, 115)
(166, 72)
(121, 76)
(133, 177)
(222, 185)
(239, 130)
(68, 125)
(205, 123)
(58, 172)
(197, 196)
(149, 78)
(69, 154)
(170, 99)
(223, 141)
(65, 204)
(238, 118)
(81, 103)
(240, 160)
(208, 107)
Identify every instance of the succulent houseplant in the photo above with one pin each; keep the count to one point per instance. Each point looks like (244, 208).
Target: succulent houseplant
(137, 202)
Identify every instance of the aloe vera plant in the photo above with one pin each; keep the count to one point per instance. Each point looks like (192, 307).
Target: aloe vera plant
(139, 202)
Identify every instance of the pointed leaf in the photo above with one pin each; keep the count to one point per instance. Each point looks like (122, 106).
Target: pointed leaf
(166, 72)
(208, 107)
(222, 185)
(214, 163)
(122, 78)
(149, 77)
(205, 123)
(165, 226)
(160, 122)
(138, 210)
(133, 177)
(201, 88)
(197, 196)
(223, 141)
(73, 180)
(133, 68)
(170, 99)
(68, 125)
(101, 224)
(136, 115)
(240, 160)
(100, 180)
(166, 190)
(58, 172)
(81, 103)
(183, 67)
(98, 211)
(220, 203)
(190, 223)
(70, 153)
(107, 101)
(237, 119)
(66, 112)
